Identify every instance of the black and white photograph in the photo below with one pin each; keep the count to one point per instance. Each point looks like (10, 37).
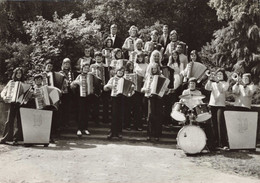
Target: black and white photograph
(129, 91)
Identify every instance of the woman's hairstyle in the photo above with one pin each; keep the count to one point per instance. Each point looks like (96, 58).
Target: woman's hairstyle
(155, 65)
(128, 66)
(137, 41)
(225, 78)
(114, 52)
(173, 32)
(133, 27)
(65, 60)
(152, 55)
(106, 41)
(139, 55)
(196, 53)
(15, 73)
(154, 32)
(178, 57)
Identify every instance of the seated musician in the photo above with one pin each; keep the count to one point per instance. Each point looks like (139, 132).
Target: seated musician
(118, 101)
(192, 91)
(218, 87)
(244, 92)
(13, 112)
(83, 100)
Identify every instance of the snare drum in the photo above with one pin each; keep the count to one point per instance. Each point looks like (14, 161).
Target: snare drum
(178, 111)
(203, 113)
(191, 139)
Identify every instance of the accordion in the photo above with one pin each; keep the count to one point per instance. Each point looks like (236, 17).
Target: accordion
(122, 86)
(136, 79)
(90, 84)
(197, 70)
(156, 84)
(16, 91)
(55, 79)
(103, 73)
(46, 96)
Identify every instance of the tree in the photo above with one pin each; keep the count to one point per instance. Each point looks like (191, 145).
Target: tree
(239, 39)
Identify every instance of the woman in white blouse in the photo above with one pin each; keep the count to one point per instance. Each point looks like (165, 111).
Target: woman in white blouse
(218, 88)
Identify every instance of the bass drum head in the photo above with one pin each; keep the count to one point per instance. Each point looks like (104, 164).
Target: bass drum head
(191, 139)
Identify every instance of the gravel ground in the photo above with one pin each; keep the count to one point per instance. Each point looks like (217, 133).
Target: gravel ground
(80, 161)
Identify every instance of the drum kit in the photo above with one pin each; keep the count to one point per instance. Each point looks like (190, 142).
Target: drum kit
(191, 138)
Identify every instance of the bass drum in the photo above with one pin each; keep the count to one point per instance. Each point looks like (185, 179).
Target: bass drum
(191, 139)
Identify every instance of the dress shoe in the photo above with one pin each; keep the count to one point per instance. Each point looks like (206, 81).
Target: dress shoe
(79, 133)
(87, 132)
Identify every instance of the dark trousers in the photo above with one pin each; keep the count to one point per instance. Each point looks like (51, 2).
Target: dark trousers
(155, 117)
(83, 103)
(168, 101)
(8, 134)
(117, 114)
(94, 107)
(105, 99)
(219, 126)
(138, 109)
(128, 111)
(65, 109)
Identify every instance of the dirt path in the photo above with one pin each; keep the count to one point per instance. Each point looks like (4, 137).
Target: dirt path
(80, 161)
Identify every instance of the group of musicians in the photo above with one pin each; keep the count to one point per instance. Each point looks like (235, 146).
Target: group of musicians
(142, 81)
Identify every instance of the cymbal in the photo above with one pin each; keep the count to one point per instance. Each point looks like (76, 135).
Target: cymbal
(192, 96)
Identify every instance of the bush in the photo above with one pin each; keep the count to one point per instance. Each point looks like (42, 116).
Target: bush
(62, 37)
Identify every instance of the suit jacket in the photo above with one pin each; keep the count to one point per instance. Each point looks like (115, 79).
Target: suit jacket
(161, 41)
(118, 42)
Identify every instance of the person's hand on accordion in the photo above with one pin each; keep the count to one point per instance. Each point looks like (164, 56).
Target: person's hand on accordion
(146, 90)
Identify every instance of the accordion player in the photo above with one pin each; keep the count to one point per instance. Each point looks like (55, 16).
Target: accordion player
(122, 86)
(46, 96)
(194, 69)
(136, 79)
(89, 84)
(14, 92)
(156, 85)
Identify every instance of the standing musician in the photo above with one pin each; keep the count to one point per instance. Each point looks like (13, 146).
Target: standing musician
(107, 50)
(152, 45)
(129, 100)
(84, 99)
(118, 101)
(101, 71)
(54, 79)
(38, 100)
(66, 92)
(138, 49)
(86, 59)
(164, 39)
(129, 43)
(155, 105)
(117, 41)
(244, 92)
(117, 54)
(140, 68)
(7, 94)
(218, 87)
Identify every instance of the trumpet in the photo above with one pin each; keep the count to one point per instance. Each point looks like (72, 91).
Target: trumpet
(237, 78)
(211, 75)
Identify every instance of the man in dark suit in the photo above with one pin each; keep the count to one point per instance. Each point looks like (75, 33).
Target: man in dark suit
(164, 39)
(117, 41)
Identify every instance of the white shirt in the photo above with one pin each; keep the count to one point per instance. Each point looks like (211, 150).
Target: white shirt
(191, 103)
(243, 95)
(218, 92)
